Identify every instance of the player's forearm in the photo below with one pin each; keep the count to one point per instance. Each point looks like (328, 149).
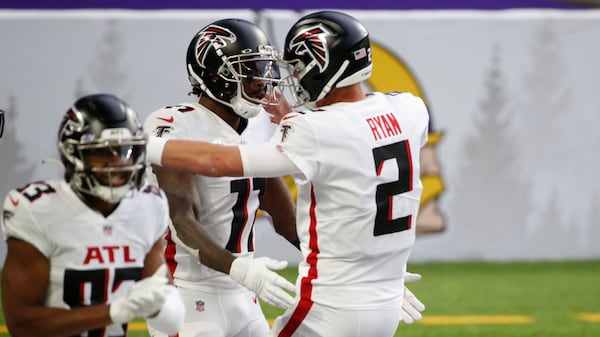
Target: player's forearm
(210, 253)
(196, 156)
(278, 203)
(217, 258)
(55, 322)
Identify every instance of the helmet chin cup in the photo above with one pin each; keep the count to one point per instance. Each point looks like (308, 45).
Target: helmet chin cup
(85, 182)
(243, 108)
(108, 194)
(112, 194)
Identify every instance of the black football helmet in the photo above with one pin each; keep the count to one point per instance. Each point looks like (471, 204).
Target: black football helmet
(228, 54)
(103, 147)
(325, 50)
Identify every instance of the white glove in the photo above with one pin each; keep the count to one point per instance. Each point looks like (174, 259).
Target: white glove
(258, 276)
(170, 318)
(411, 306)
(143, 299)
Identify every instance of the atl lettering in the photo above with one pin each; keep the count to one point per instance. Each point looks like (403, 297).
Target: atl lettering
(108, 255)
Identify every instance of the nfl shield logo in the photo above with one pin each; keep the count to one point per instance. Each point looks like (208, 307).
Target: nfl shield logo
(199, 306)
(107, 230)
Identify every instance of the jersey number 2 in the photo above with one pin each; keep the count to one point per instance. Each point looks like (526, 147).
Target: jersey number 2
(384, 224)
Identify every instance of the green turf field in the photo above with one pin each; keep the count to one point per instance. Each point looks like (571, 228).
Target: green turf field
(549, 299)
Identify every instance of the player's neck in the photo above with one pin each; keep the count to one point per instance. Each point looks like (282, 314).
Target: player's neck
(224, 112)
(99, 205)
(351, 93)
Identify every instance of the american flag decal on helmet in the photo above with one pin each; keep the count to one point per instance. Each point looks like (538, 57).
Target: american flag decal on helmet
(313, 41)
(358, 54)
(212, 36)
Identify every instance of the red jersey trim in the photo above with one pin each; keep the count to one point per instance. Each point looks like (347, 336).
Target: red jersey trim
(306, 283)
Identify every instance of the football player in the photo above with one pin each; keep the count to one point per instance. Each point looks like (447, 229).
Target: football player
(355, 158)
(232, 68)
(84, 254)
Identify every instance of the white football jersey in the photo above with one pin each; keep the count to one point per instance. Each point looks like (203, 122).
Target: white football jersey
(93, 259)
(358, 197)
(228, 204)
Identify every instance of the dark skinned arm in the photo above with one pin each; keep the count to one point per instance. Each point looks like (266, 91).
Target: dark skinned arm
(154, 259)
(25, 278)
(183, 204)
(278, 203)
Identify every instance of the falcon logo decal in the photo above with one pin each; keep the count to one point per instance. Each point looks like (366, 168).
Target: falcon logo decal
(161, 130)
(73, 122)
(212, 36)
(285, 130)
(313, 41)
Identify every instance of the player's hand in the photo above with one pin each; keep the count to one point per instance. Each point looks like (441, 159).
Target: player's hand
(258, 276)
(276, 112)
(144, 298)
(411, 306)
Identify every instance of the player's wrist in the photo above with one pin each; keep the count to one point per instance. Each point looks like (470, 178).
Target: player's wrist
(239, 269)
(154, 150)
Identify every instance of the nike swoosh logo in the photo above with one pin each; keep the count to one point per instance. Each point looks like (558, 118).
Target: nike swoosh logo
(168, 120)
(254, 299)
(12, 201)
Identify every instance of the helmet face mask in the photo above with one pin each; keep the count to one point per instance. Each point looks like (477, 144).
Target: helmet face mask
(256, 75)
(233, 62)
(292, 88)
(110, 169)
(102, 147)
(325, 50)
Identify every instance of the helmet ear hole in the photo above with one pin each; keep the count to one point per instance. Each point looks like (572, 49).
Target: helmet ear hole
(225, 72)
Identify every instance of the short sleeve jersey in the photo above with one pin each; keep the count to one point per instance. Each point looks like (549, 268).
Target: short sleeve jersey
(358, 195)
(93, 259)
(228, 205)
